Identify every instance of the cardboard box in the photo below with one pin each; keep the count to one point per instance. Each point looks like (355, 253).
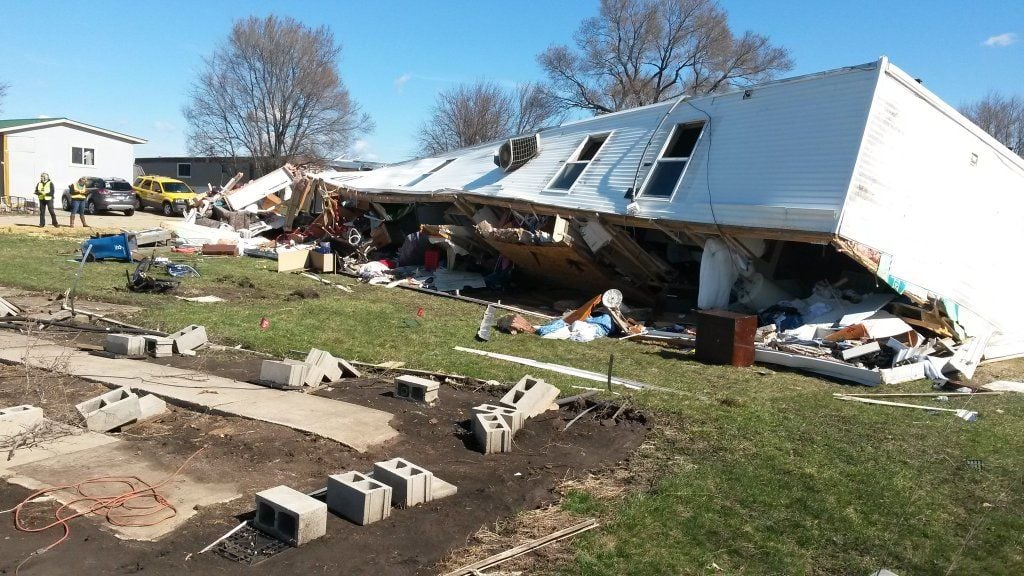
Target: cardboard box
(292, 260)
(386, 234)
(322, 262)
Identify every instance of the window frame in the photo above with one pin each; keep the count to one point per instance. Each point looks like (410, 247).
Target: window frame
(574, 160)
(81, 155)
(642, 193)
(180, 175)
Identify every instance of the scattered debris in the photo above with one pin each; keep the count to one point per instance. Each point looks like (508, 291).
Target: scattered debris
(202, 299)
(492, 561)
(968, 415)
(142, 281)
(568, 370)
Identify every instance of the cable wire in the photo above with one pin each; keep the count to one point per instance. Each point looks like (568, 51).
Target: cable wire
(135, 507)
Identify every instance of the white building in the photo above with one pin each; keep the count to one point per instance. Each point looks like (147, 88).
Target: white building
(863, 158)
(63, 148)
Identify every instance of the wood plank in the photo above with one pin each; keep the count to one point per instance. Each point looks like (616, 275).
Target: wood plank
(496, 559)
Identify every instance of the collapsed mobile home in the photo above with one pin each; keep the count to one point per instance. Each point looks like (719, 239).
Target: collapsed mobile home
(864, 160)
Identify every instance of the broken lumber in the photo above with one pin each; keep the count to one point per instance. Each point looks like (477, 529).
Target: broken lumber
(488, 562)
(568, 370)
(468, 299)
(968, 415)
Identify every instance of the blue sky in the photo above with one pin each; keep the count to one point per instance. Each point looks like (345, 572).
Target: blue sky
(127, 66)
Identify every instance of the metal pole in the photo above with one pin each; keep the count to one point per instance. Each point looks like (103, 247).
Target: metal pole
(611, 362)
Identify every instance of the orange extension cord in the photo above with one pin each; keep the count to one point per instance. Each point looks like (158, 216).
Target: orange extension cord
(135, 507)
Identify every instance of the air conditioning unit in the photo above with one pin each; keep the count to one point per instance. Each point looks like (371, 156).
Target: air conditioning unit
(517, 151)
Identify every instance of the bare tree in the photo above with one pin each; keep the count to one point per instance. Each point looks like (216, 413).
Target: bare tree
(3, 93)
(272, 92)
(1000, 116)
(638, 52)
(471, 114)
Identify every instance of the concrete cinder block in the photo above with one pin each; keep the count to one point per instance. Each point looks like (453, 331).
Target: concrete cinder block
(111, 410)
(326, 363)
(410, 484)
(189, 338)
(441, 489)
(313, 375)
(416, 389)
(125, 345)
(290, 515)
(17, 419)
(358, 497)
(150, 407)
(492, 433)
(531, 396)
(283, 373)
(158, 346)
(512, 417)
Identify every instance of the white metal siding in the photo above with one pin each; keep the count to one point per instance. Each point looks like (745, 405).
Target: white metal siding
(780, 159)
(950, 227)
(51, 153)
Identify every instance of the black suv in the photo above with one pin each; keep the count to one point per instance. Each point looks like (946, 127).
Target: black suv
(103, 194)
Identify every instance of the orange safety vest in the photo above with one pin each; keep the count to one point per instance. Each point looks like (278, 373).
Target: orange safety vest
(44, 190)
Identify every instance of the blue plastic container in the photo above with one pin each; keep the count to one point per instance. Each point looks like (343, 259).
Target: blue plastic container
(115, 247)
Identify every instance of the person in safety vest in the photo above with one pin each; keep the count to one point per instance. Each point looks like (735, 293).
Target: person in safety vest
(79, 191)
(44, 192)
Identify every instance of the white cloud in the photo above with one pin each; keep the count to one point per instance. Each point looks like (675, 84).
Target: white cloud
(361, 151)
(1001, 40)
(43, 117)
(401, 81)
(164, 126)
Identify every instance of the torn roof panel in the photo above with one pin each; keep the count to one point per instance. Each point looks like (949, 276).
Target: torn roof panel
(787, 149)
(864, 154)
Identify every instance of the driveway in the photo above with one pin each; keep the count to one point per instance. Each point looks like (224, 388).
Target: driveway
(110, 222)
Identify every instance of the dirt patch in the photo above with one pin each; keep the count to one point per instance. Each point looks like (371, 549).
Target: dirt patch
(255, 455)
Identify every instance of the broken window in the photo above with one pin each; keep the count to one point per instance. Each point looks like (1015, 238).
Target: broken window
(83, 156)
(574, 167)
(668, 170)
(184, 170)
(422, 177)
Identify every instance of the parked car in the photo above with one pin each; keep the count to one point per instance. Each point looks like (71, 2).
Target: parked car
(169, 195)
(102, 195)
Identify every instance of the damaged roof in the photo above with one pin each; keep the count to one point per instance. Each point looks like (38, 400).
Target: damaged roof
(864, 157)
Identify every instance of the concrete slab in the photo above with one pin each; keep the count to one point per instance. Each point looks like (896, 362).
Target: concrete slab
(55, 440)
(18, 419)
(186, 491)
(355, 426)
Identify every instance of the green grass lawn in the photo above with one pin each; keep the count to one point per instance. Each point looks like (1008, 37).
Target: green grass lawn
(752, 471)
